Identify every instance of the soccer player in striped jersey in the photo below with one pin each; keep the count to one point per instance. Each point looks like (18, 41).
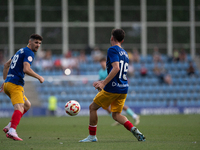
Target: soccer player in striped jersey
(113, 90)
(13, 74)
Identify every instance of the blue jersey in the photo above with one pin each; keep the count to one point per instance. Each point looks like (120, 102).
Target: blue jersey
(15, 73)
(119, 83)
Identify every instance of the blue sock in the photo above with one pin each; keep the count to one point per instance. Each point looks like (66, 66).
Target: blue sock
(131, 113)
(110, 115)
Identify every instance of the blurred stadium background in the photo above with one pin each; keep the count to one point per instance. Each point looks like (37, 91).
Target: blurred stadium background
(76, 34)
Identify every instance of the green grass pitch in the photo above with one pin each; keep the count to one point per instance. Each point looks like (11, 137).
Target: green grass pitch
(163, 132)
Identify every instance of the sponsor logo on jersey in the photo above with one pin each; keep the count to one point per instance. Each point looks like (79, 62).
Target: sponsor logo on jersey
(119, 85)
(10, 75)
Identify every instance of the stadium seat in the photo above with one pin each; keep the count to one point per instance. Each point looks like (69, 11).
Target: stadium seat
(143, 92)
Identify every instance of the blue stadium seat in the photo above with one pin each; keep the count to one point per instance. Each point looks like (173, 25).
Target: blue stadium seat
(143, 92)
(1, 97)
(149, 59)
(3, 105)
(89, 59)
(182, 103)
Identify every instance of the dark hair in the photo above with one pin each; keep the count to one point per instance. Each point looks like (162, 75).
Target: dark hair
(36, 37)
(102, 59)
(118, 34)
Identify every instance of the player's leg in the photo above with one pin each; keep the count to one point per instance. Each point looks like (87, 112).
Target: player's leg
(27, 105)
(116, 108)
(99, 101)
(128, 125)
(108, 110)
(132, 114)
(16, 117)
(110, 113)
(18, 113)
(115, 123)
(15, 92)
(93, 113)
(6, 128)
(93, 123)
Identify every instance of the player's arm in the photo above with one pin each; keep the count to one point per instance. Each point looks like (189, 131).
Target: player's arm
(111, 75)
(6, 68)
(27, 70)
(5, 72)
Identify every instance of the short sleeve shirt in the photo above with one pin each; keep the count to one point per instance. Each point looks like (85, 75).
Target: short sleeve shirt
(119, 83)
(15, 74)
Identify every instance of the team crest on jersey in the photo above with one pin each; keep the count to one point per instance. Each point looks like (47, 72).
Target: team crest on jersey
(30, 58)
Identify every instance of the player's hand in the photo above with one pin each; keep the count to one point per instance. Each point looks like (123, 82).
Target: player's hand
(1, 88)
(95, 83)
(99, 86)
(41, 79)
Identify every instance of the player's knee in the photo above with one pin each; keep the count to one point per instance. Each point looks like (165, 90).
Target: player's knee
(90, 107)
(19, 106)
(93, 106)
(114, 116)
(27, 105)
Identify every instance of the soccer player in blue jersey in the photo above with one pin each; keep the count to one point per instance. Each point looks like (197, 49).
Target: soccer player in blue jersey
(113, 90)
(13, 74)
(102, 75)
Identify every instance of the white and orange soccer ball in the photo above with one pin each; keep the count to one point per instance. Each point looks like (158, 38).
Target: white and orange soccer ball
(72, 108)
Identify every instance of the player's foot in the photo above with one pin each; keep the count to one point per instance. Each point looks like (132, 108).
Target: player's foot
(13, 135)
(115, 123)
(137, 120)
(6, 128)
(138, 134)
(89, 139)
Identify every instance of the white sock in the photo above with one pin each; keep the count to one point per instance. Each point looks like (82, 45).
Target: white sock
(135, 116)
(9, 124)
(12, 130)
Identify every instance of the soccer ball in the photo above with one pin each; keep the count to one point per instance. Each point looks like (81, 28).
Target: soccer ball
(72, 108)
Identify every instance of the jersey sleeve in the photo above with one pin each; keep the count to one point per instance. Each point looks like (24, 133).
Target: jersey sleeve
(113, 55)
(28, 57)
